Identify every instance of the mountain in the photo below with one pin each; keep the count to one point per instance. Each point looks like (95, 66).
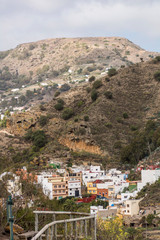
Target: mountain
(36, 70)
(92, 122)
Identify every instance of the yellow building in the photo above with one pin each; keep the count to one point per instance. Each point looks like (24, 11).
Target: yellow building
(92, 187)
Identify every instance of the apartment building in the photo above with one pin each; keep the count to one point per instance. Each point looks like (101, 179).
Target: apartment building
(59, 187)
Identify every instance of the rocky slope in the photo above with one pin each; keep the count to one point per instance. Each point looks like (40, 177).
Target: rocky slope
(96, 130)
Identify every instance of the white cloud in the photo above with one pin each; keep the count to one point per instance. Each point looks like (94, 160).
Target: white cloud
(29, 20)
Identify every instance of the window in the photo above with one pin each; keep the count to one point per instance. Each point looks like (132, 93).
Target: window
(125, 196)
(55, 191)
(63, 191)
(59, 191)
(127, 205)
(78, 174)
(63, 185)
(93, 190)
(128, 211)
(55, 186)
(94, 184)
(90, 191)
(59, 186)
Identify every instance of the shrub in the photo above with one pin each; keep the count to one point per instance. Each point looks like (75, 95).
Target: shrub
(91, 68)
(42, 108)
(157, 76)
(86, 118)
(94, 95)
(108, 125)
(120, 120)
(32, 46)
(4, 54)
(92, 78)
(112, 72)
(156, 59)
(108, 94)
(57, 94)
(54, 73)
(88, 89)
(65, 87)
(59, 106)
(125, 115)
(107, 79)
(39, 139)
(43, 120)
(61, 101)
(80, 103)
(67, 113)
(133, 128)
(97, 84)
(76, 119)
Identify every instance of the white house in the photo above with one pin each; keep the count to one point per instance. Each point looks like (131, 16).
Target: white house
(95, 209)
(46, 186)
(74, 188)
(127, 195)
(148, 176)
(131, 207)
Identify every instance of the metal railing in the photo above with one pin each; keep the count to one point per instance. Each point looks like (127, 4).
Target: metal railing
(73, 228)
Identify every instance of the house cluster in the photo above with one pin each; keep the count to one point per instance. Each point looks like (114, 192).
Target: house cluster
(57, 186)
(112, 186)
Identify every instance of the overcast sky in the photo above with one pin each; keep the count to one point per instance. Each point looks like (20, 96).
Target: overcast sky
(31, 20)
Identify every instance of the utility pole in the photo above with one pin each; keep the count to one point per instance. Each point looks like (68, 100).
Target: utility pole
(10, 217)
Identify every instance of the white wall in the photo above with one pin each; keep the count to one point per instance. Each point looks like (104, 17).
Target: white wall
(150, 176)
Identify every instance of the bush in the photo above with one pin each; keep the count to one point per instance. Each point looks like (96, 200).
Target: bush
(108, 125)
(59, 106)
(67, 113)
(57, 93)
(88, 89)
(107, 79)
(38, 138)
(108, 94)
(125, 115)
(86, 118)
(112, 72)
(65, 87)
(157, 76)
(43, 120)
(32, 46)
(61, 101)
(156, 59)
(42, 108)
(94, 95)
(97, 84)
(92, 78)
(80, 103)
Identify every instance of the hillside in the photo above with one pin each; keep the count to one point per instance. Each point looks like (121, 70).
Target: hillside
(36, 70)
(91, 129)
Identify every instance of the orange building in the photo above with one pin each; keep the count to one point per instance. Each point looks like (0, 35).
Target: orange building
(103, 192)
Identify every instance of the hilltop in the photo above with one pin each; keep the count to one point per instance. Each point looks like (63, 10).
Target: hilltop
(36, 70)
